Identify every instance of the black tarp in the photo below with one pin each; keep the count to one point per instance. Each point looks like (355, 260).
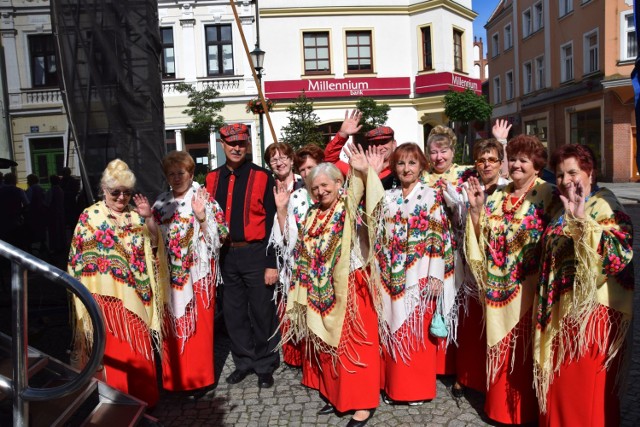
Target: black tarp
(109, 64)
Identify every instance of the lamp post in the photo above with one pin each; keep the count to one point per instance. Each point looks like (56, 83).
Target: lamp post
(257, 57)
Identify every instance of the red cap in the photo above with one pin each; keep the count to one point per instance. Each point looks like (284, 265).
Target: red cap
(234, 132)
(379, 135)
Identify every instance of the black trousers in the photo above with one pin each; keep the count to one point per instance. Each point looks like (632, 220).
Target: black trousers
(248, 308)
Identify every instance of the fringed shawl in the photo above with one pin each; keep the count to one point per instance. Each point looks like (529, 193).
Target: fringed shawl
(321, 305)
(114, 260)
(193, 251)
(586, 265)
(415, 260)
(504, 260)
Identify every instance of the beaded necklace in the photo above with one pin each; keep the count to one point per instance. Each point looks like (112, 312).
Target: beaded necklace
(115, 221)
(325, 220)
(508, 212)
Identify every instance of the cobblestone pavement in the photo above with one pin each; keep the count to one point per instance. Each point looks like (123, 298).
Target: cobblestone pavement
(289, 403)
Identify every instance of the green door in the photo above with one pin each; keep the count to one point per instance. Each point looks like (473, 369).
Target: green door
(47, 158)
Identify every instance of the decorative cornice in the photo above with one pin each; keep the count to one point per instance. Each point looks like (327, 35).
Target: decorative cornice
(368, 10)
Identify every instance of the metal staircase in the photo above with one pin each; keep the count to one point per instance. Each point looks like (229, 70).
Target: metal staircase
(38, 390)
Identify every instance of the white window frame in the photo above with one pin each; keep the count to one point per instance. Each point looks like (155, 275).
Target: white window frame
(537, 13)
(565, 7)
(527, 23)
(508, 36)
(591, 53)
(497, 90)
(624, 36)
(566, 74)
(527, 77)
(495, 44)
(540, 82)
(509, 88)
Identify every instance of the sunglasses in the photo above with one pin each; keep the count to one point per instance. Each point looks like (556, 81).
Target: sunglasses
(488, 160)
(117, 193)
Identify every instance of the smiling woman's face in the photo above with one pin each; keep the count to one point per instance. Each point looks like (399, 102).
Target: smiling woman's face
(325, 190)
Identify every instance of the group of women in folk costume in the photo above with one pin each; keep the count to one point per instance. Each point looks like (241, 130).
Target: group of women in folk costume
(153, 272)
(529, 334)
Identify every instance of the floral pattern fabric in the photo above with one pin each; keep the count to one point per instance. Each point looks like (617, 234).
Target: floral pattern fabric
(586, 266)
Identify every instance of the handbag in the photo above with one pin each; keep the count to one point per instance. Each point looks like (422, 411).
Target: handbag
(438, 327)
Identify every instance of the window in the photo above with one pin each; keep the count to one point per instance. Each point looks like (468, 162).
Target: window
(219, 50)
(538, 16)
(591, 52)
(457, 50)
(566, 62)
(316, 52)
(427, 58)
(508, 37)
(497, 94)
(629, 46)
(540, 83)
(527, 24)
(527, 74)
(509, 85)
(359, 58)
(538, 128)
(495, 45)
(168, 53)
(566, 6)
(43, 61)
(585, 127)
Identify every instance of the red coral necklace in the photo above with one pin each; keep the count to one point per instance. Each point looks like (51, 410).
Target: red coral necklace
(325, 220)
(515, 206)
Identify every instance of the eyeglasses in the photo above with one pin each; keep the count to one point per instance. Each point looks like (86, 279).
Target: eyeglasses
(117, 193)
(278, 160)
(488, 160)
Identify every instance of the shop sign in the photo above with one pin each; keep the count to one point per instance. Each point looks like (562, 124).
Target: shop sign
(437, 82)
(331, 88)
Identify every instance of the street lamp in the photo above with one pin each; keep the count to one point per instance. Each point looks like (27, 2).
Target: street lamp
(257, 57)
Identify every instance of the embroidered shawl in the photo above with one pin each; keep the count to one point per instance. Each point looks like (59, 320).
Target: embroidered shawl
(113, 259)
(586, 265)
(193, 251)
(504, 260)
(456, 175)
(321, 303)
(415, 259)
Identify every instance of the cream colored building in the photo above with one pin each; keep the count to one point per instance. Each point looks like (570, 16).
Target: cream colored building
(560, 70)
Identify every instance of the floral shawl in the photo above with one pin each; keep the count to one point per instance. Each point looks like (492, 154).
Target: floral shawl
(586, 265)
(456, 175)
(192, 255)
(321, 300)
(504, 260)
(415, 259)
(115, 262)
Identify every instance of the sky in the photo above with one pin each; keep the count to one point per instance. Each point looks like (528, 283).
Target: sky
(483, 8)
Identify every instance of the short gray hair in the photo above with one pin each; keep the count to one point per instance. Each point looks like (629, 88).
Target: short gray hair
(328, 169)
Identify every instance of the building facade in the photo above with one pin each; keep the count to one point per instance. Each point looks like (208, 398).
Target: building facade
(560, 71)
(405, 53)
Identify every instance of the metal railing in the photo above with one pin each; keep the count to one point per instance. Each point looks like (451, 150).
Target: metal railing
(18, 388)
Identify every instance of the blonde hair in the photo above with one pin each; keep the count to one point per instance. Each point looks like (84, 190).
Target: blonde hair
(117, 174)
(443, 136)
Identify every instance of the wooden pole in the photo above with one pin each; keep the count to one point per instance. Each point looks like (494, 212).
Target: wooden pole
(253, 71)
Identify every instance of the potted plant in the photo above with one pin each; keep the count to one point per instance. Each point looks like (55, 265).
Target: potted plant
(255, 105)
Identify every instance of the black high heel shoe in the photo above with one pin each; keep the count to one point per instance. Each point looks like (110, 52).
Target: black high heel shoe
(458, 391)
(326, 409)
(361, 423)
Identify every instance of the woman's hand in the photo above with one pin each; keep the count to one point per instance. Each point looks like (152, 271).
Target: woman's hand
(357, 158)
(500, 129)
(281, 194)
(574, 199)
(475, 194)
(375, 158)
(143, 208)
(350, 125)
(199, 203)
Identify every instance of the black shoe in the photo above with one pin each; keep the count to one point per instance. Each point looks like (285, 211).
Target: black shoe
(326, 409)
(457, 392)
(237, 376)
(265, 380)
(356, 423)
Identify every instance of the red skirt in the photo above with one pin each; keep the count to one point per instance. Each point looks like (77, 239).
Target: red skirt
(127, 370)
(414, 379)
(445, 358)
(348, 386)
(471, 357)
(583, 393)
(193, 367)
(291, 353)
(511, 398)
